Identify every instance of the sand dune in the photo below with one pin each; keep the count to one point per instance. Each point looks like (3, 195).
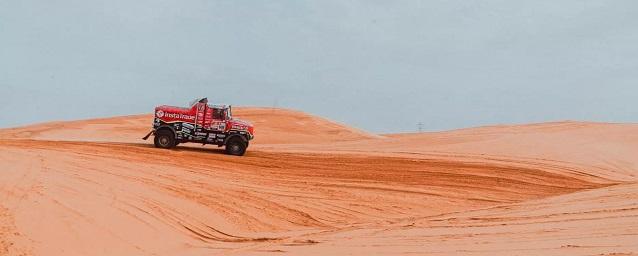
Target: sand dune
(611, 148)
(592, 222)
(310, 186)
(274, 126)
(602, 149)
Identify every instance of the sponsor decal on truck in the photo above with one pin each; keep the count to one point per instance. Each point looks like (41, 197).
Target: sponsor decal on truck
(162, 114)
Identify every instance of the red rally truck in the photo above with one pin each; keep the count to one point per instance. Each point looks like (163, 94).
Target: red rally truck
(201, 123)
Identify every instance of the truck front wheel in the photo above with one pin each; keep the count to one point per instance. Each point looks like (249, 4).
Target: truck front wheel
(236, 147)
(164, 139)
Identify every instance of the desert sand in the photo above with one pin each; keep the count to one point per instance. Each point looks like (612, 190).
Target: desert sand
(310, 186)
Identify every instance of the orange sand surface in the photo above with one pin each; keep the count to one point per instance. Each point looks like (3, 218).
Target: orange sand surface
(310, 186)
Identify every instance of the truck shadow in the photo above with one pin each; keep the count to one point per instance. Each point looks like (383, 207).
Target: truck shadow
(213, 149)
(186, 148)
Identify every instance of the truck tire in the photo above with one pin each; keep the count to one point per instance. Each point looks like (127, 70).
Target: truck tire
(236, 146)
(164, 139)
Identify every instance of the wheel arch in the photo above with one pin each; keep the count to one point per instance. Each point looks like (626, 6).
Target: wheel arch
(236, 135)
(167, 128)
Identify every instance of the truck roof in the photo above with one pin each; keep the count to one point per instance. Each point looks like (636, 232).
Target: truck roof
(205, 100)
(218, 106)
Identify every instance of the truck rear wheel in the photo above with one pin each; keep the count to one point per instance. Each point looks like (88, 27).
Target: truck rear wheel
(164, 139)
(236, 147)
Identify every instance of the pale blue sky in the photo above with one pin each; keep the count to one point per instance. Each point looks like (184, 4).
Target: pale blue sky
(378, 65)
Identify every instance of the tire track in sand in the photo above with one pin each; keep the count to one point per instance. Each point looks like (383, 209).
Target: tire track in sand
(268, 197)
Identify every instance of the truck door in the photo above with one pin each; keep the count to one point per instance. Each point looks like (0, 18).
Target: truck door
(218, 123)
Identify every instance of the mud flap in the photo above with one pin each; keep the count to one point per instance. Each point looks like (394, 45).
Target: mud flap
(147, 135)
